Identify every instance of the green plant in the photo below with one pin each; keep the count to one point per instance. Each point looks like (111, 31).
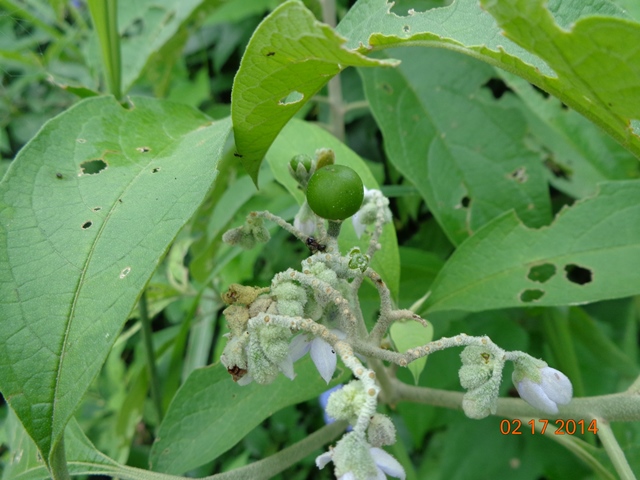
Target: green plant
(151, 295)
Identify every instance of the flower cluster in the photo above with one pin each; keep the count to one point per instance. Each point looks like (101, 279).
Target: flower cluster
(315, 310)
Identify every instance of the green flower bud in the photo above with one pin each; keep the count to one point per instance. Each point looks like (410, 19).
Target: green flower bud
(268, 353)
(346, 403)
(301, 167)
(482, 401)
(291, 299)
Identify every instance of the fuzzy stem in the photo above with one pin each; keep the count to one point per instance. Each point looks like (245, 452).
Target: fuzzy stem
(58, 461)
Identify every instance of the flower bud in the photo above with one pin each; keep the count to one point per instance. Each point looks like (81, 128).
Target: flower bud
(346, 403)
(541, 386)
(324, 157)
(381, 431)
(291, 299)
(301, 167)
(482, 401)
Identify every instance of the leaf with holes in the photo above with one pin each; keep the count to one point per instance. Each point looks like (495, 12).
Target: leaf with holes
(300, 137)
(87, 211)
(584, 53)
(210, 413)
(590, 252)
(577, 154)
(290, 57)
(464, 151)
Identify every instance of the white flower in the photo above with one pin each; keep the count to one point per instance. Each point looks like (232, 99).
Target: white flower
(358, 226)
(322, 354)
(384, 462)
(553, 389)
(305, 220)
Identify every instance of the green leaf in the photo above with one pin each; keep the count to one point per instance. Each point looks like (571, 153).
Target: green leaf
(410, 334)
(578, 154)
(145, 27)
(76, 248)
(300, 137)
(290, 53)
(462, 150)
(596, 60)
(210, 413)
(590, 252)
(592, 68)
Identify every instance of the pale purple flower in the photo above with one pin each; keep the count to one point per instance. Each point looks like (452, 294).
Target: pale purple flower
(553, 389)
(385, 465)
(322, 354)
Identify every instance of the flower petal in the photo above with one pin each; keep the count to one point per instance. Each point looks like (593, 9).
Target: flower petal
(534, 395)
(299, 346)
(286, 366)
(358, 226)
(387, 463)
(322, 460)
(556, 385)
(245, 380)
(324, 356)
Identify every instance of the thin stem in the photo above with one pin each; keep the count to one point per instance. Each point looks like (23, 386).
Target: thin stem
(282, 460)
(614, 451)
(104, 14)
(335, 87)
(58, 461)
(616, 407)
(154, 380)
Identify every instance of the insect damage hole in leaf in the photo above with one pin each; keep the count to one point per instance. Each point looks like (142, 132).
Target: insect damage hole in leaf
(293, 97)
(155, 170)
(93, 167)
(542, 273)
(531, 295)
(520, 175)
(87, 224)
(497, 87)
(125, 271)
(578, 274)
(143, 149)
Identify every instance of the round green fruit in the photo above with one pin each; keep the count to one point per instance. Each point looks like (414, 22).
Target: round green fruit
(335, 192)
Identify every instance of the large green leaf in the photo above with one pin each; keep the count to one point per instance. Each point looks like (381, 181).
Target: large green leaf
(76, 248)
(302, 137)
(578, 154)
(589, 62)
(290, 57)
(590, 252)
(210, 413)
(464, 151)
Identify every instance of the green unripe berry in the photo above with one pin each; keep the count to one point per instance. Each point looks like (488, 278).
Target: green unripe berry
(335, 192)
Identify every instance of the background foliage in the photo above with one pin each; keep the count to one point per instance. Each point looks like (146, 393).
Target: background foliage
(511, 163)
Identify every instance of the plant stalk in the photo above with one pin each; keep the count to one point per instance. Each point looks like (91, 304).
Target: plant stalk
(154, 380)
(104, 14)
